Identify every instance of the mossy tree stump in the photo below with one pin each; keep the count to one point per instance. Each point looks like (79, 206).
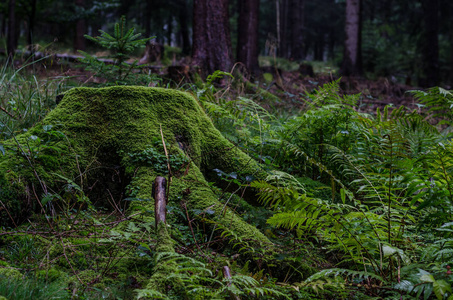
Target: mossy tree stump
(94, 134)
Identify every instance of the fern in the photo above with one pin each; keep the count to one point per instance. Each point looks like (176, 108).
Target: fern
(439, 103)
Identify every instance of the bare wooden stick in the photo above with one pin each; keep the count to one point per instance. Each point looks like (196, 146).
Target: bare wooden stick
(8, 113)
(227, 275)
(160, 198)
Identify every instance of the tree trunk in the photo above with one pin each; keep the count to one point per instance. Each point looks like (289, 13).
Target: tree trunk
(352, 64)
(211, 36)
(282, 8)
(247, 49)
(451, 44)
(184, 27)
(80, 29)
(297, 33)
(147, 17)
(31, 24)
(3, 28)
(11, 43)
(169, 29)
(319, 46)
(430, 43)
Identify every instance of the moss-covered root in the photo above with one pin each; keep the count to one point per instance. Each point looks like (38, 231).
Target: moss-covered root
(164, 268)
(198, 196)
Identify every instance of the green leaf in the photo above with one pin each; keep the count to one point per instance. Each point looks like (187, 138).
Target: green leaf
(441, 287)
(427, 278)
(343, 195)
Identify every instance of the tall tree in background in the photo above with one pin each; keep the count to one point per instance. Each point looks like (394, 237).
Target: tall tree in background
(147, 15)
(247, 49)
(211, 36)
(183, 17)
(450, 35)
(80, 26)
(31, 14)
(430, 43)
(290, 27)
(11, 43)
(297, 27)
(282, 22)
(352, 59)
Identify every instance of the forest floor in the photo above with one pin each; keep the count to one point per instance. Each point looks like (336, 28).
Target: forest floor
(375, 93)
(288, 86)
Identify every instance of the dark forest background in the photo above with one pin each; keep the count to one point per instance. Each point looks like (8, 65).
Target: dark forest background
(408, 41)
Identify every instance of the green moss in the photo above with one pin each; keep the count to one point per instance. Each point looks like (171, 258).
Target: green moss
(49, 275)
(268, 77)
(159, 280)
(10, 273)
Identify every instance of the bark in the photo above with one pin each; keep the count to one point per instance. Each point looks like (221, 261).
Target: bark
(147, 17)
(211, 36)
(80, 29)
(297, 27)
(184, 27)
(451, 45)
(169, 29)
(31, 24)
(247, 49)
(319, 47)
(3, 28)
(282, 27)
(160, 204)
(11, 42)
(352, 64)
(430, 43)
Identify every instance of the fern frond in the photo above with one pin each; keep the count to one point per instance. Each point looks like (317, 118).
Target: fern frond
(345, 272)
(149, 293)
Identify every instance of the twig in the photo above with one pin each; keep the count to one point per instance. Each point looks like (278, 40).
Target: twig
(193, 234)
(114, 204)
(168, 162)
(8, 113)
(7, 211)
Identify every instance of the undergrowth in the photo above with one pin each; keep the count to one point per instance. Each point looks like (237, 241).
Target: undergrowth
(359, 206)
